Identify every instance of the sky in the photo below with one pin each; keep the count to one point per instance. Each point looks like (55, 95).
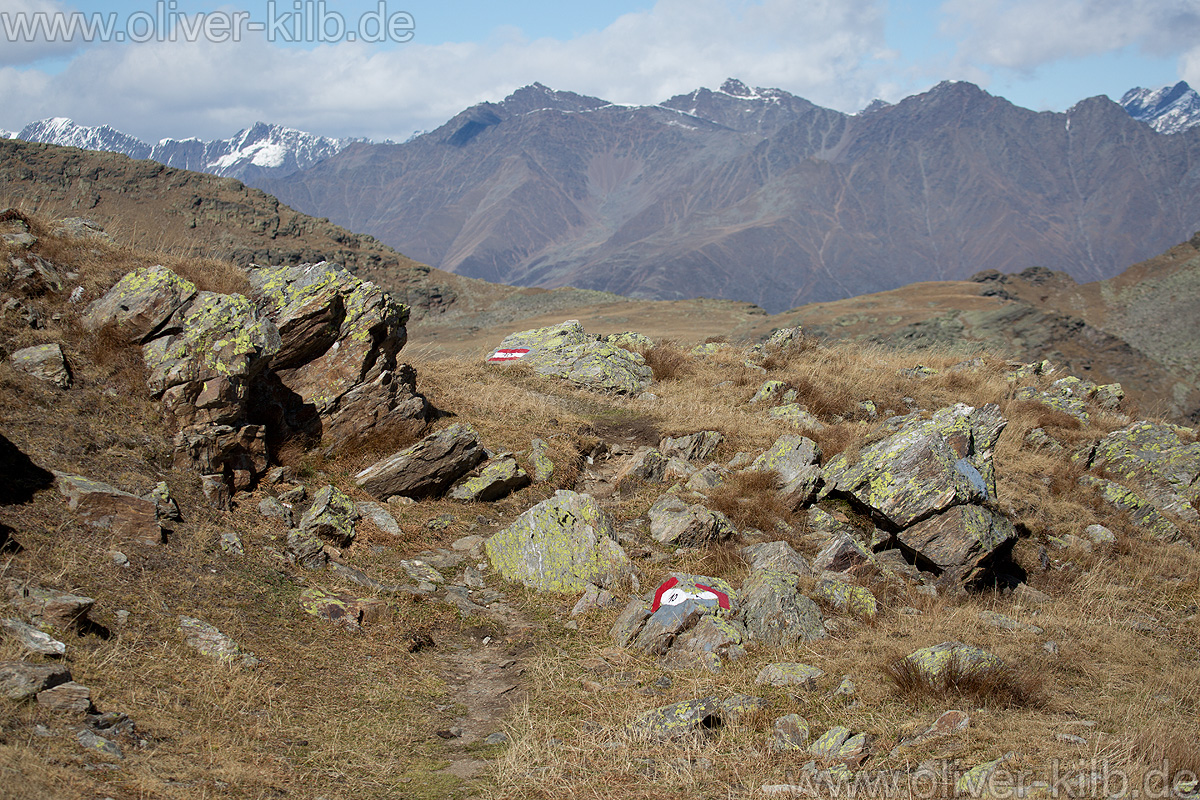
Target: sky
(413, 64)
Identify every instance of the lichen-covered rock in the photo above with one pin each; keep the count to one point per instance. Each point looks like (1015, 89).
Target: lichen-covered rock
(789, 674)
(164, 503)
(630, 621)
(51, 607)
(306, 549)
(840, 553)
(630, 340)
(847, 598)
(738, 707)
(560, 545)
(107, 507)
(1153, 457)
(795, 458)
(45, 362)
(237, 454)
(712, 640)
(331, 516)
(1109, 396)
(788, 734)
(646, 464)
(543, 467)
(932, 663)
(775, 613)
(209, 641)
(777, 557)
(965, 539)
(796, 415)
(768, 392)
(141, 303)
(500, 477)
(923, 468)
(1141, 510)
(32, 639)
(20, 680)
(693, 446)
(708, 477)
(427, 468)
(566, 351)
(343, 608)
(673, 521)
(678, 719)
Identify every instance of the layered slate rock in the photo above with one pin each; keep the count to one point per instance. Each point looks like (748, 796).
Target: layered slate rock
(499, 478)
(109, 508)
(140, 304)
(712, 641)
(674, 521)
(45, 362)
(207, 640)
(331, 516)
(233, 455)
(775, 613)
(795, 458)
(20, 680)
(692, 447)
(777, 557)
(428, 468)
(566, 351)
(562, 545)
(927, 466)
(962, 538)
(50, 607)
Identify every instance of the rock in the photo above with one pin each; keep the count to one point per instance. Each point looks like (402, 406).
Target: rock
(678, 719)
(737, 708)
(109, 508)
(925, 467)
(339, 337)
(306, 549)
(665, 624)
(499, 478)
(379, 516)
(419, 571)
(216, 491)
(630, 621)
(775, 613)
(49, 607)
(788, 734)
(932, 663)
(272, 508)
(1100, 534)
(1141, 511)
(543, 467)
(692, 447)
(32, 639)
(208, 641)
(948, 724)
(776, 557)
(830, 743)
(974, 781)
(140, 304)
(232, 543)
(789, 674)
(768, 392)
(342, 607)
(467, 543)
(34, 276)
(841, 552)
(164, 504)
(494, 739)
(709, 477)
(68, 698)
(795, 458)
(566, 351)
(845, 691)
(846, 598)
(965, 539)
(331, 516)
(1006, 623)
(672, 521)
(1109, 396)
(81, 228)
(1028, 595)
(93, 741)
(1152, 457)
(20, 680)
(45, 362)
(647, 465)
(237, 454)
(796, 415)
(560, 545)
(427, 468)
(593, 598)
(711, 641)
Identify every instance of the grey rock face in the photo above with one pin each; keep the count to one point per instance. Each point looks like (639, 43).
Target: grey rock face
(427, 468)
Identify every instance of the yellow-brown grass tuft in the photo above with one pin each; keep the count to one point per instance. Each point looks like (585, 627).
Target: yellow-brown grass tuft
(751, 500)
(667, 361)
(1002, 687)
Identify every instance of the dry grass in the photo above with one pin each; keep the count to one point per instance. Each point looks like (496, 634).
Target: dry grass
(1002, 687)
(751, 500)
(667, 361)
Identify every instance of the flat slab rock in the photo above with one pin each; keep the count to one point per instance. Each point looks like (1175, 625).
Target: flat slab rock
(428, 468)
(20, 680)
(44, 361)
(209, 641)
(566, 351)
(107, 507)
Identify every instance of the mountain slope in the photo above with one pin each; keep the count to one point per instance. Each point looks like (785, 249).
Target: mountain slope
(256, 152)
(1171, 109)
(755, 195)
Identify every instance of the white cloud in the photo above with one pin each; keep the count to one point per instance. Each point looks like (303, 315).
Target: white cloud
(825, 50)
(23, 39)
(1023, 35)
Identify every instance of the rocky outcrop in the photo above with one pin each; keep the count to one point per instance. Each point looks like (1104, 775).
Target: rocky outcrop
(775, 613)
(795, 458)
(427, 468)
(692, 447)
(1154, 458)
(676, 522)
(566, 351)
(560, 545)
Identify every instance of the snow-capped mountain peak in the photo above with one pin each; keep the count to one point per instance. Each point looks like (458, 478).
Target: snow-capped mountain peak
(63, 131)
(1170, 109)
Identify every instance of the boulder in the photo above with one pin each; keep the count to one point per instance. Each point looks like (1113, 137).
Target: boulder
(775, 556)
(678, 719)
(32, 639)
(306, 549)
(630, 621)
(841, 552)
(964, 539)
(1144, 513)
(140, 304)
(20, 680)
(343, 608)
(846, 598)
(45, 362)
(934, 663)
(566, 351)
(775, 613)
(673, 521)
(712, 640)
(646, 464)
(797, 416)
(789, 674)
(379, 516)
(1154, 458)
(927, 466)
(44, 607)
(795, 458)
(499, 478)
(34, 276)
(69, 698)
(560, 545)
(331, 516)
(708, 477)
(692, 447)
(427, 468)
(109, 508)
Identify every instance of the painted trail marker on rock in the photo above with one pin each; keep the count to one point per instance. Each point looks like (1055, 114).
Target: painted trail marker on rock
(509, 354)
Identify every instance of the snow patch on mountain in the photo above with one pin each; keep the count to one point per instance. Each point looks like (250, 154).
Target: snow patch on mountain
(1171, 109)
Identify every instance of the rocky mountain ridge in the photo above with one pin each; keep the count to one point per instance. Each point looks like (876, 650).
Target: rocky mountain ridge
(1171, 109)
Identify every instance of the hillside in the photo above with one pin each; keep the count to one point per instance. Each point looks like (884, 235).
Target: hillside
(261, 540)
(759, 196)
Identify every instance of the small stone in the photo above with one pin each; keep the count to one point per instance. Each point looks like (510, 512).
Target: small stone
(209, 641)
(1070, 738)
(232, 543)
(845, 690)
(69, 697)
(1100, 534)
(467, 543)
(44, 361)
(830, 742)
(32, 639)
(1006, 623)
(789, 674)
(496, 738)
(98, 743)
(273, 508)
(738, 707)
(419, 571)
(292, 496)
(119, 558)
(1051, 647)
(678, 719)
(788, 734)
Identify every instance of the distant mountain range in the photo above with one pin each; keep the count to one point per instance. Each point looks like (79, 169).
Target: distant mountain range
(1171, 109)
(758, 195)
(251, 154)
